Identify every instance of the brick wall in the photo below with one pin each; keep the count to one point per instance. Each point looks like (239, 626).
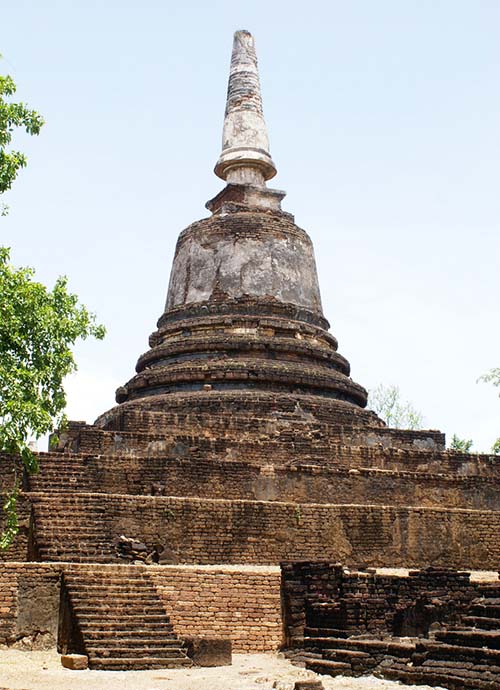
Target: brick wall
(10, 472)
(242, 605)
(201, 477)
(222, 531)
(323, 595)
(8, 602)
(29, 600)
(251, 414)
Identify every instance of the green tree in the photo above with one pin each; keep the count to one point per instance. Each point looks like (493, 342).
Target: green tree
(13, 116)
(460, 444)
(38, 328)
(386, 402)
(493, 376)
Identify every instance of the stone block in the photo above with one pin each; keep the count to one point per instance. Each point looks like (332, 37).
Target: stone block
(75, 662)
(308, 685)
(209, 651)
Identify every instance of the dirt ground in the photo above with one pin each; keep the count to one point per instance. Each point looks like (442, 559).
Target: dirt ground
(43, 671)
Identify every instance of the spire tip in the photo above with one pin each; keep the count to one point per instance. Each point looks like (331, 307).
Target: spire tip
(245, 157)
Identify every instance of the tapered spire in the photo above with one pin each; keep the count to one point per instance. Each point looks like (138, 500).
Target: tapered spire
(245, 157)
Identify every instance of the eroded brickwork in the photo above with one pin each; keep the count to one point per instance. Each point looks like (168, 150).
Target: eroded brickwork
(433, 626)
(11, 475)
(241, 605)
(188, 471)
(264, 532)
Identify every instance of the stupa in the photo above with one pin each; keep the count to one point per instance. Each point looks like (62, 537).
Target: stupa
(241, 440)
(243, 317)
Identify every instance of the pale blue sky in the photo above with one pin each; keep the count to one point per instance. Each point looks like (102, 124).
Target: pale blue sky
(384, 124)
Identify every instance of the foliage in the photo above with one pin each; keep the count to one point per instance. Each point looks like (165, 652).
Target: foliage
(460, 444)
(386, 402)
(493, 376)
(11, 522)
(37, 329)
(12, 116)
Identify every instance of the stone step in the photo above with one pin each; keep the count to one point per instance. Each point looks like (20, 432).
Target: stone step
(137, 592)
(138, 663)
(111, 610)
(141, 651)
(457, 678)
(74, 541)
(101, 557)
(119, 596)
(345, 654)
(109, 576)
(330, 668)
(121, 626)
(361, 662)
(325, 632)
(161, 635)
(486, 608)
(83, 532)
(481, 622)
(135, 574)
(122, 620)
(471, 638)
(490, 591)
(453, 652)
(97, 632)
(147, 618)
(141, 581)
(397, 649)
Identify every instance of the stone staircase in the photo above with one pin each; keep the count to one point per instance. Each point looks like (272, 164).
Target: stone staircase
(466, 657)
(62, 472)
(74, 527)
(330, 652)
(122, 621)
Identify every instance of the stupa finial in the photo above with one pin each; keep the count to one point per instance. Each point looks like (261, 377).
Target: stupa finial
(245, 157)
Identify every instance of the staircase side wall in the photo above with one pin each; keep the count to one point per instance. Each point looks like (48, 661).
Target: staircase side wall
(29, 605)
(242, 605)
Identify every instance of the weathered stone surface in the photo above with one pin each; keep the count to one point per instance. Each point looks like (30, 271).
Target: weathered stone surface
(209, 651)
(245, 254)
(245, 145)
(38, 611)
(75, 662)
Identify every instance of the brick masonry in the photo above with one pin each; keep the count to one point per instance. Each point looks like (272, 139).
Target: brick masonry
(433, 626)
(242, 605)
(188, 471)
(84, 527)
